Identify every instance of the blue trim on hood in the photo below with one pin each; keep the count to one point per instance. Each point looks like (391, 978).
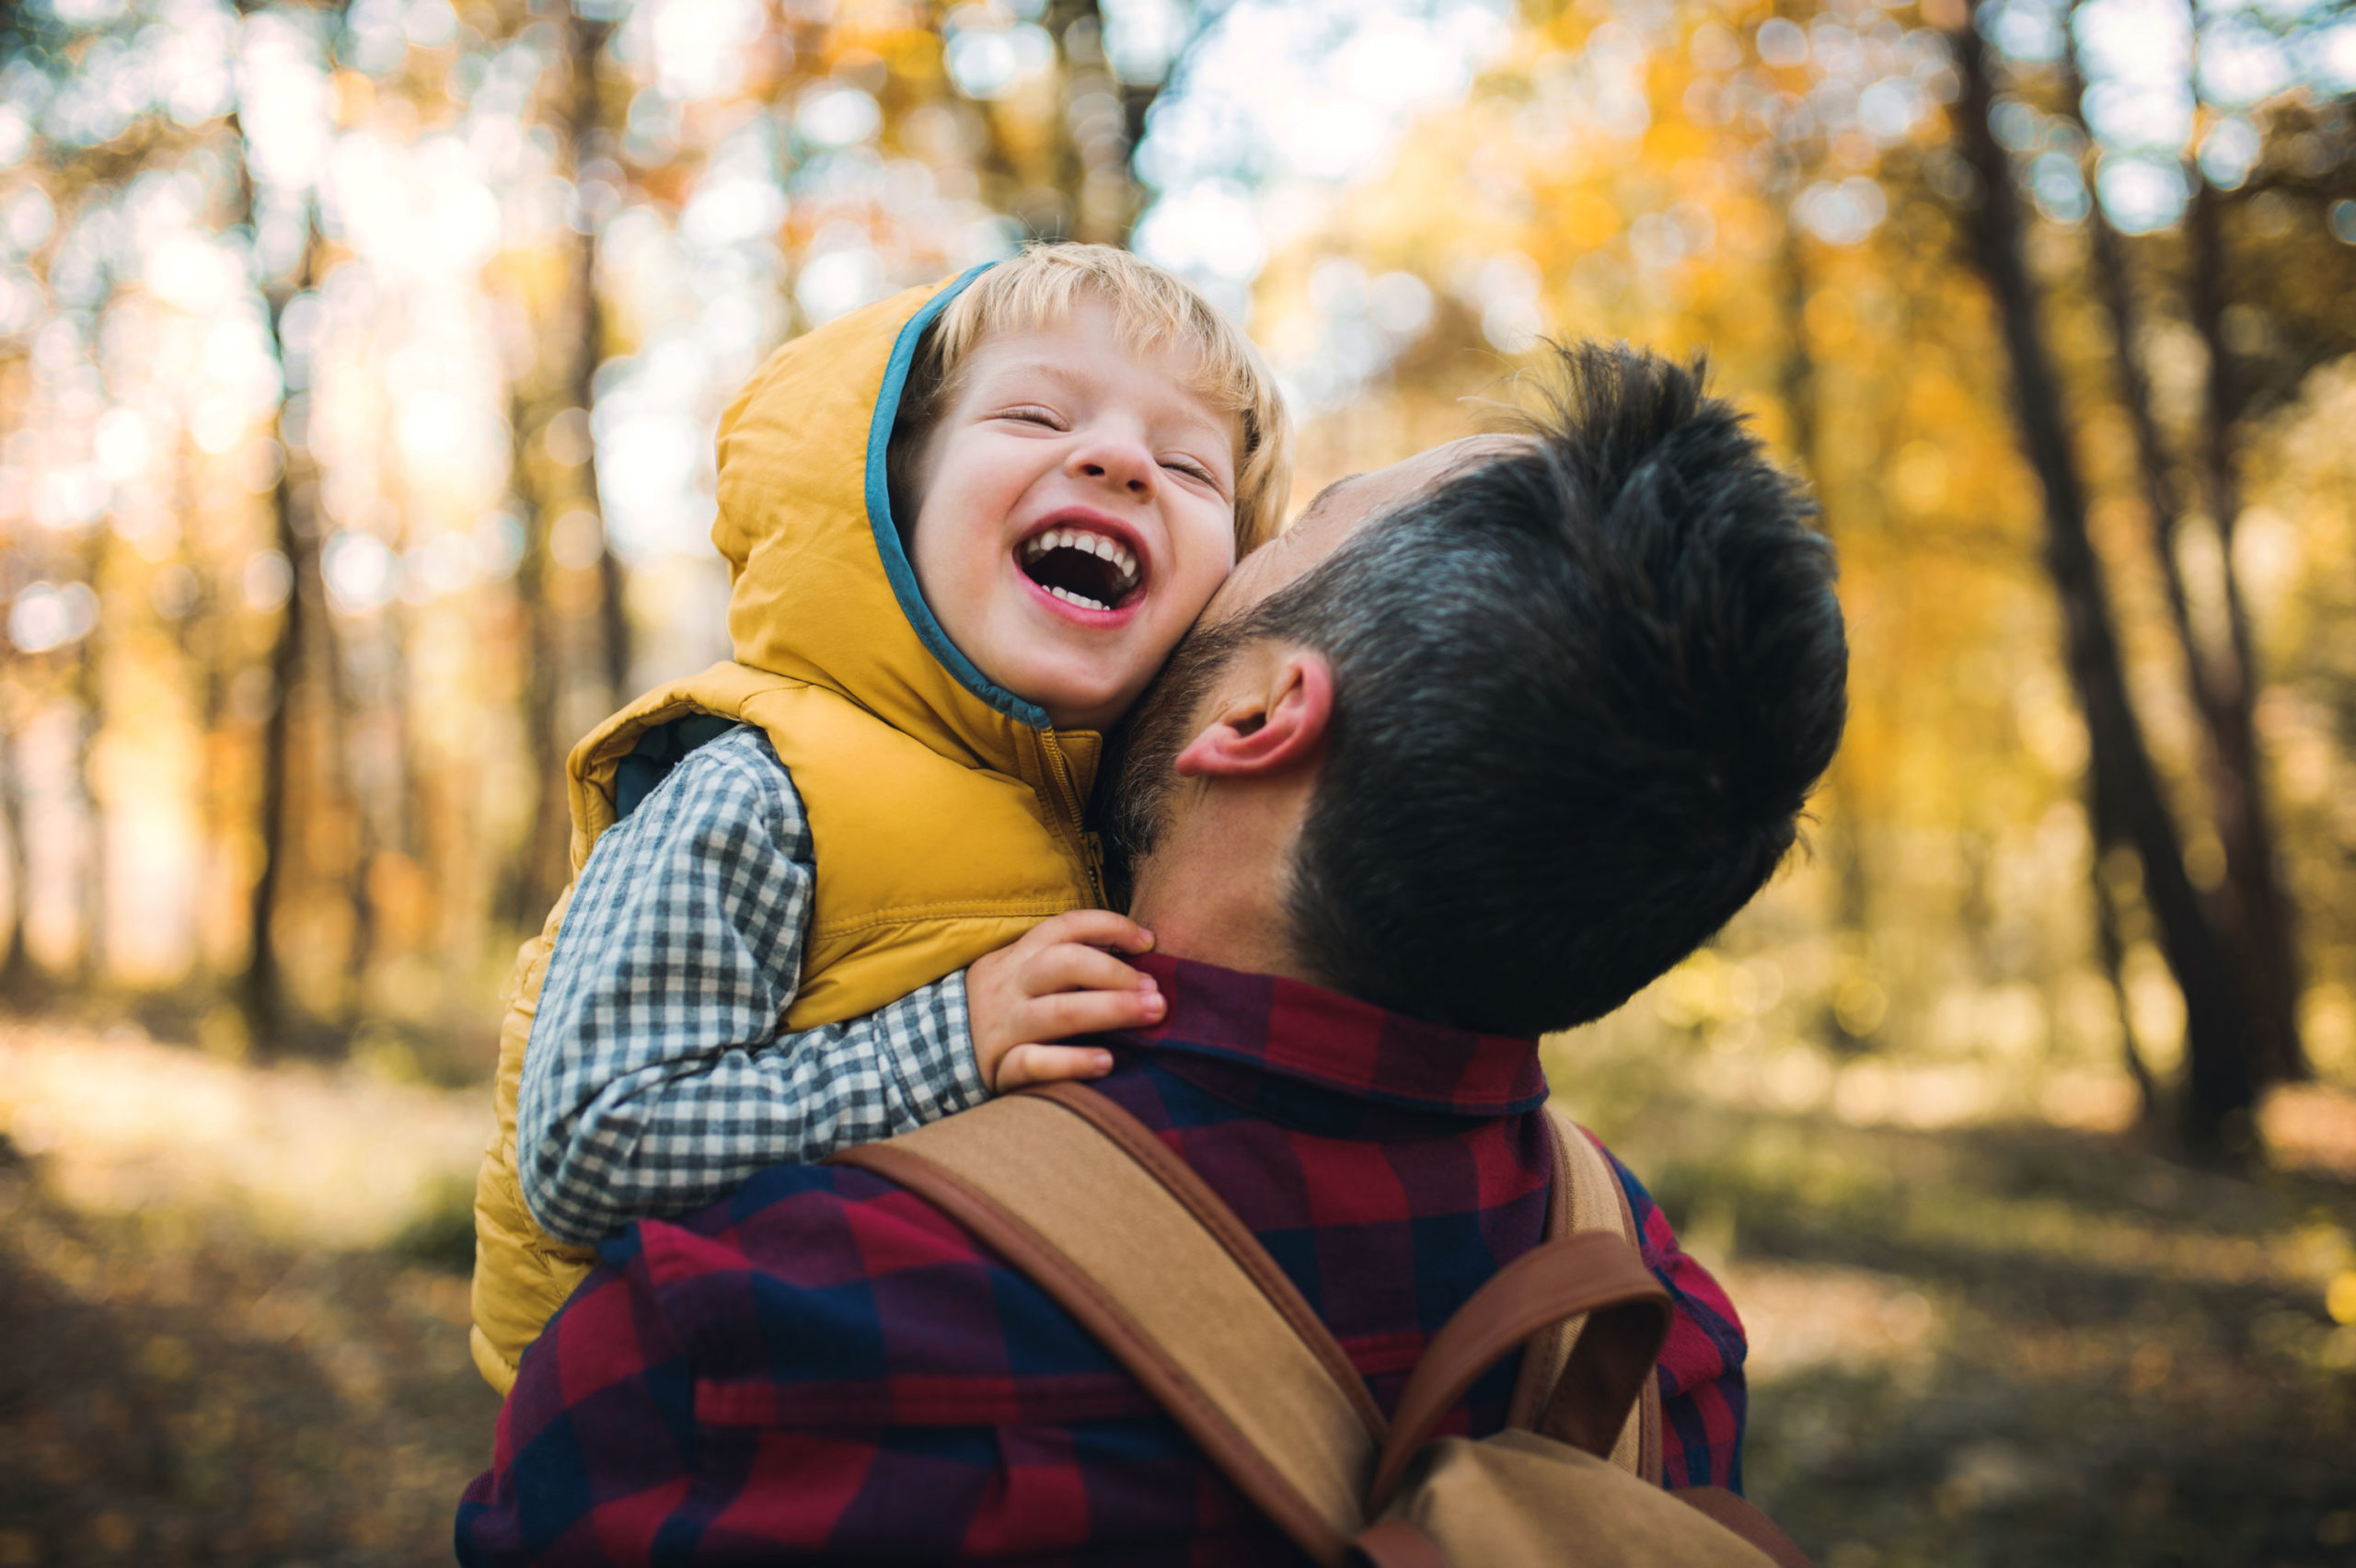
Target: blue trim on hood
(897, 569)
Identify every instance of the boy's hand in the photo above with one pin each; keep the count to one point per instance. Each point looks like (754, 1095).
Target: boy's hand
(1056, 981)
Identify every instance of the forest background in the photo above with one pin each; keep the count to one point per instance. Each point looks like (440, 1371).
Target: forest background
(358, 372)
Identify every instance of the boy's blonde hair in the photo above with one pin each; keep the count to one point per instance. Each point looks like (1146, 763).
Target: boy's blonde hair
(1151, 310)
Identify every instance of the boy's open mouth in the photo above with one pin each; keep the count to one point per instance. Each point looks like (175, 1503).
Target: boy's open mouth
(1080, 566)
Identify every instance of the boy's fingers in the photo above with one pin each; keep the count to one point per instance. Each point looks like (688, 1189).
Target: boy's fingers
(1050, 1064)
(1067, 1014)
(1069, 966)
(1094, 928)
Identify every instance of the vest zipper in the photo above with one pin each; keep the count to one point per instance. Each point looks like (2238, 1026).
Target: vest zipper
(1091, 847)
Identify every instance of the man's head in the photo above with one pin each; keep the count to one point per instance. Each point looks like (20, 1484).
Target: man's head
(1084, 446)
(1497, 736)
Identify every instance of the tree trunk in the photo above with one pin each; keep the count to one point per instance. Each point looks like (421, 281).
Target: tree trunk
(570, 384)
(89, 690)
(1135, 98)
(1797, 374)
(540, 869)
(583, 41)
(1840, 835)
(2110, 951)
(2260, 904)
(17, 979)
(2217, 1041)
(305, 656)
(263, 991)
(1078, 184)
(385, 788)
(2252, 910)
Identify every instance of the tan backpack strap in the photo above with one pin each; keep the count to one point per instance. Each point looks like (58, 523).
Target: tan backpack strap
(1648, 1417)
(1398, 1543)
(1639, 1446)
(1743, 1517)
(1178, 1178)
(1586, 1196)
(1543, 1357)
(1590, 1273)
(1140, 1267)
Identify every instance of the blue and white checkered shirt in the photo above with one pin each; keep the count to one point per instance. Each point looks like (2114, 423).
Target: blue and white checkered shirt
(656, 1079)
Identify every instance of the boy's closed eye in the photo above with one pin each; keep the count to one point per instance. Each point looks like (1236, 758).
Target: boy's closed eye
(1193, 470)
(1031, 414)
(1177, 463)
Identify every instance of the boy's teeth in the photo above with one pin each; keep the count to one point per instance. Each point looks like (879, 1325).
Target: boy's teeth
(1106, 550)
(1082, 600)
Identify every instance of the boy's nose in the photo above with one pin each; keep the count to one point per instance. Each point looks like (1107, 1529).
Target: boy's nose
(1122, 463)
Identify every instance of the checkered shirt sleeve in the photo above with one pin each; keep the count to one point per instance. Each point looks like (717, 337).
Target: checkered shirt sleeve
(655, 1079)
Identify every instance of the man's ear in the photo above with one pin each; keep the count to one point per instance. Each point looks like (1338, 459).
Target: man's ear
(1269, 730)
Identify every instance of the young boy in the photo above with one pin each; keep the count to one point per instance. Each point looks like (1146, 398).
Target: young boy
(844, 886)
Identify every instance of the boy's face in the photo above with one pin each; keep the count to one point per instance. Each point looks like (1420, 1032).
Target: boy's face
(1078, 511)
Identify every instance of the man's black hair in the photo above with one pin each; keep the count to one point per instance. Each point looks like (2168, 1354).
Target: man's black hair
(1582, 691)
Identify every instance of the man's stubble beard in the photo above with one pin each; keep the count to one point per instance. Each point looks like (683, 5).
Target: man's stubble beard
(1142, 771)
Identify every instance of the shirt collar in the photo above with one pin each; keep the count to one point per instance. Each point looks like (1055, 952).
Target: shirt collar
(1297, 1031)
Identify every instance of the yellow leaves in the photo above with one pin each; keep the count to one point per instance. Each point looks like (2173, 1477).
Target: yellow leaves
(1670, 141)
(1589, 220)
(2205, 861)
(913, 54)
(355, 97)
(536, 277)
(2312, 1128)
(1859, 1005)
(2328, 1022)
(1746, 231)
(1919, 478)
(1706, 987)
(1831, 323)
(224, 1034)
(403, 895)
(1936, 401)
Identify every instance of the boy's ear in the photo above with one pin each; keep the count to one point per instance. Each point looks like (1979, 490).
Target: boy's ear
(1276, 725)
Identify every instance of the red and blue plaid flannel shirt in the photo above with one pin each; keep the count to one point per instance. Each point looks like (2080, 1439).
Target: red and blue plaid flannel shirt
(823, 1366)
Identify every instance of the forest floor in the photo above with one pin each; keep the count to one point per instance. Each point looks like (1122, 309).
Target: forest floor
(2020, 1344)
(2002, 1346)
(233, 1309)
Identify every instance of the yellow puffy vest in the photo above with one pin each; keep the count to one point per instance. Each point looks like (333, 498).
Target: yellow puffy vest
(945, 811)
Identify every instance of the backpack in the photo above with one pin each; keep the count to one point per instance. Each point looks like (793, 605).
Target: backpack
(1100, 1213)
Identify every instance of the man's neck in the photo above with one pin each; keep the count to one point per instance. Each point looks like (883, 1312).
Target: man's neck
(1214, 909)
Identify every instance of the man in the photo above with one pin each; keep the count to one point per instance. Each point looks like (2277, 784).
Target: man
(1483, 745)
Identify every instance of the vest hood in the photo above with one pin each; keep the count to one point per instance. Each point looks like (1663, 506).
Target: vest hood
(821, 590)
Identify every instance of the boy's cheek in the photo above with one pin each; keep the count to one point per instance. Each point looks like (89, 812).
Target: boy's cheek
(1183, 609)
(1198, 580)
